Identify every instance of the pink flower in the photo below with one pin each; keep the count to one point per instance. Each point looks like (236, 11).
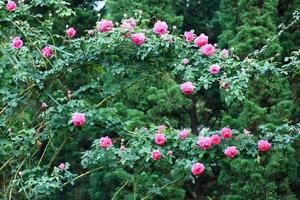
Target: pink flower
(226, 132)
(264, 145)
(208, 50)
(138, 39)
(204, 142)
(160, 28)
(17, 43)
(161, 128)
(11, 6)
(71, 32)
(201, 40)
(170, 153)
(131, 21)
(61, 166)
(231, 151)
(122, 148)
(91, 32)
(214, 69)
(198, 168)
(105, 142)
(185, 61)
(184, 134)
(215, 139)
(189, 36)
(160, 139)
(47, 52)
(44, 105)
(187, 88)
(105, 25)
(224, 54)
(127, 26)
(155, 155)
(246, 132)
(78, 119)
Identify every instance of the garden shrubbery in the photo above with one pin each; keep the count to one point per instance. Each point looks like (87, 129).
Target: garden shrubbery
(133, 110)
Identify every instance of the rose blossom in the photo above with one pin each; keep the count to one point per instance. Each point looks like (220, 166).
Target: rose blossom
(138, 39)
(160, 28)
(71, 32)
(231, 151)
(215, 139)
(226, 132)
(264, 145)
(122, 148)
(224, 54)
(170, 153)
(214, 69)
(78, 119)
(11, 6)
(17, 43)
(185, 61)
(155, 155)
(184, 134)
(189, 36)
(127, 26)
(204, 142)
(187, 88)
(47, 52)
(61, 166)
(201, 40)
(105, 25)
(160, 139)
(198, 168)
(105, 142)
(208, 50)
(161, 128)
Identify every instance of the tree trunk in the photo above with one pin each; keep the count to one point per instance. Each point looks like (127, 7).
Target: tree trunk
(193, 115)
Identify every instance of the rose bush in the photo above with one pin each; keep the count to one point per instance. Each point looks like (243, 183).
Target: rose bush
(65, 112)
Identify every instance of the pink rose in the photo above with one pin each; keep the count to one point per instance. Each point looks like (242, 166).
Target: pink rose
(198, 168)
(138, 39)
(264, 145)
(11, 6)
(204, 142)
(189, 36)
(214, 69)
(105, 142)
(231, 151)
(224, 54)
(161, 128)
(215, 139)
(131, 21)
(184, 134)
(201, 40)
(91, 32)
(122, 148)
(78, 119)
(17, 43)
(208, 50)
(226, 132)
(170, 153)
(155, 155)
(47, 52)
(187, 88)
(127, 26)
(160, 139)
(160, 28)
(185, 61)
(61, 166)
(105, 25)
(44, 105)
(71, 32)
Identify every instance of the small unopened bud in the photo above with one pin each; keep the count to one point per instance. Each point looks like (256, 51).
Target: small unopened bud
(44, 105)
